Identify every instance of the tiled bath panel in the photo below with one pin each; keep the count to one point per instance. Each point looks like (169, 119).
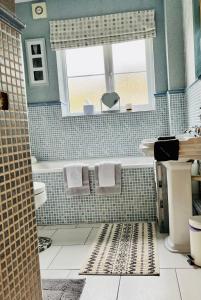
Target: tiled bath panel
(110, 135)
(137, 201)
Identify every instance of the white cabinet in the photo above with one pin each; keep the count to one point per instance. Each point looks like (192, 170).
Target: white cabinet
(37, 61)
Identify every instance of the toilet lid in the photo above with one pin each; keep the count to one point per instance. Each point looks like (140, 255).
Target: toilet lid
(195, 222)
(39, 187)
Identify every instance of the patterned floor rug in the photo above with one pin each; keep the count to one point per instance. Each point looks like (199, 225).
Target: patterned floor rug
(62, 289)
(124, 249)
(44, 243)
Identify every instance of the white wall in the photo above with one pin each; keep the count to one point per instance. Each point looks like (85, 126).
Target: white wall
(189, 41)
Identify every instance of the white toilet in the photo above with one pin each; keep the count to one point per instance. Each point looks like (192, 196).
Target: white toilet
(40, 194)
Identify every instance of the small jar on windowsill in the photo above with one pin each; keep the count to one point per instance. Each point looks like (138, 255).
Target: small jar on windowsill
(129, 107)
(88, 109)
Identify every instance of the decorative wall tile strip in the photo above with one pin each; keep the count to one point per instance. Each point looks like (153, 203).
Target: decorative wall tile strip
(136, 203)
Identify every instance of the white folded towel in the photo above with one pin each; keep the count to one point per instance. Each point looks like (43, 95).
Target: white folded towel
(106, 174)
(74, 175)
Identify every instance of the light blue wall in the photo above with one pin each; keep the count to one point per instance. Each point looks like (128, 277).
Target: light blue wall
(58, 9)
(174, 44)
(192, 61)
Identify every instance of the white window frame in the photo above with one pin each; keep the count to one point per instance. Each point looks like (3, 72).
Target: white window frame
(109, 77)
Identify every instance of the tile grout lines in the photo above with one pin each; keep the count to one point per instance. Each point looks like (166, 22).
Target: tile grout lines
(118, 288)
(88, 235)
(54, 257)
(61, 246)
(178, 283)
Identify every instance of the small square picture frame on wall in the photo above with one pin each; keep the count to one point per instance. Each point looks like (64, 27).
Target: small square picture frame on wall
(37, 62)
(39, 10)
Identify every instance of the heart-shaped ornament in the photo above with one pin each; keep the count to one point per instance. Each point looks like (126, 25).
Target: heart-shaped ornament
(110, 99)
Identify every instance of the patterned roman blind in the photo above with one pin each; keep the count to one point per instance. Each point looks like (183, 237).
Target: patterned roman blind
(106, 29)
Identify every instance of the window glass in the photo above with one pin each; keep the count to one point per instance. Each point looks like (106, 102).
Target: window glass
(87, 75)
(132, 88)
(129, 57)
(86, 88)
(85, 61)
(130, 77)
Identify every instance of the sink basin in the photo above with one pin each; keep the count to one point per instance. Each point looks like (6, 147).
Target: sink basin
(189, 147)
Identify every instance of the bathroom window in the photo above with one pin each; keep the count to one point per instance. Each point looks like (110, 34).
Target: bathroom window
(85, 74)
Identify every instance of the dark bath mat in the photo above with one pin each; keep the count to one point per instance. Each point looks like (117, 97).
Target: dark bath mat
(62, 289)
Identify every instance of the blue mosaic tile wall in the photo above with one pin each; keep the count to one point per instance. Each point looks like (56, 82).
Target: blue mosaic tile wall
(193, 99)
(116, 135)
(177, 113)
(137, 201)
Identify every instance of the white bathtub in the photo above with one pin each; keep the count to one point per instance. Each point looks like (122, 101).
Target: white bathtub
(57, 166)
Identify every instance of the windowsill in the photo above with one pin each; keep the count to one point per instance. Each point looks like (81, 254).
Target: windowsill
(98, 113)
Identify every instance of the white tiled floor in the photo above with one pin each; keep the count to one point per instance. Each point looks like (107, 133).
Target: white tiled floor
(71, 244)
(70, 257)
(190, 283)
(48, 256)
(163, 287)
(68, 237)
(92, 236)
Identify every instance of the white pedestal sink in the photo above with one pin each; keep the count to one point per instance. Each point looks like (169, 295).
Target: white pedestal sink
(180, 205)
(179, 190)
